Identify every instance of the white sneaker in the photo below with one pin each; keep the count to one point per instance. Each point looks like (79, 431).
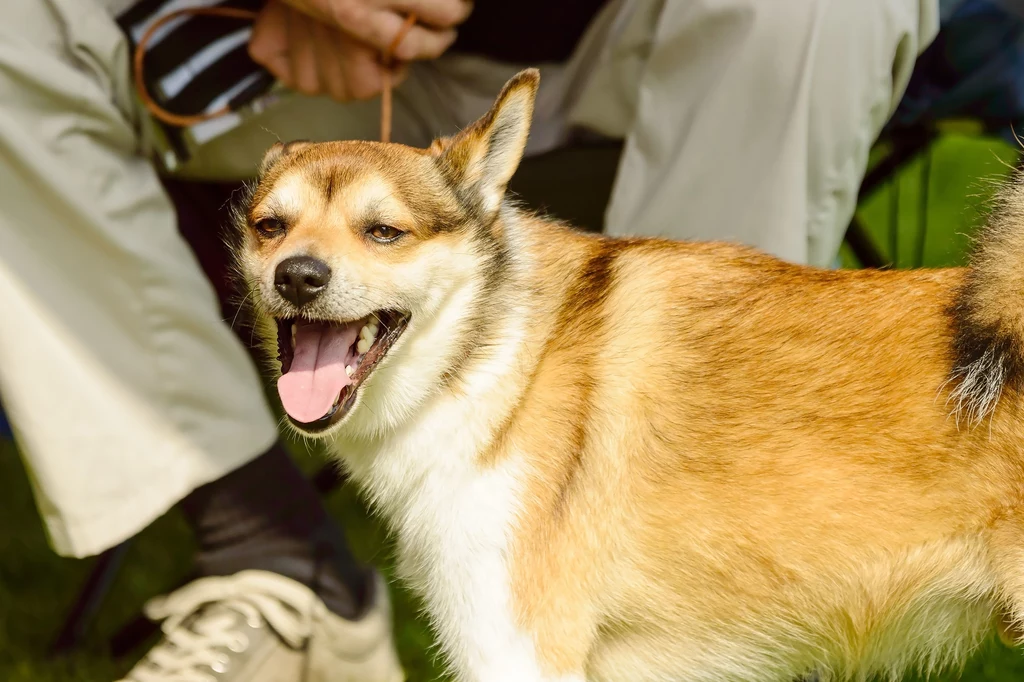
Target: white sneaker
(257, 626)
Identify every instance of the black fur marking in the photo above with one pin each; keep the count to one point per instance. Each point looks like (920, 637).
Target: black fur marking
(329, 186)
(498, 255)
(581, 316)
(591, 289)
(987, 360)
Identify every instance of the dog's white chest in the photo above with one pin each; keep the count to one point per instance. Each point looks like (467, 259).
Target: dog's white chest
(454, 521)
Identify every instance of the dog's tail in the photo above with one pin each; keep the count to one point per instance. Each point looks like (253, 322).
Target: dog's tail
(988, 312)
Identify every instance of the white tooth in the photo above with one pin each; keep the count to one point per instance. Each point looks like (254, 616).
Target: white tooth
(349, 370)
(368, 332)
(374, 327)
(363, 345)
(294, 331)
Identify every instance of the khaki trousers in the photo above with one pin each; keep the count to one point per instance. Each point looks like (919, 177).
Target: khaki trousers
(743, 119)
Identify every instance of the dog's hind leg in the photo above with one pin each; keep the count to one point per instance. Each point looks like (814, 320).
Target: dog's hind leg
(1007, 557)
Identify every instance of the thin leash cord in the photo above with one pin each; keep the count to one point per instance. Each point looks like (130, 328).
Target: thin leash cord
(184, 121)
(386, 85)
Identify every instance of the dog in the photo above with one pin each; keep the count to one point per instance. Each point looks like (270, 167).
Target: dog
(627, 460)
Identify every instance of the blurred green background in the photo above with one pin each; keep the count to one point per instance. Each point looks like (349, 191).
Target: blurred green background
(37, 587)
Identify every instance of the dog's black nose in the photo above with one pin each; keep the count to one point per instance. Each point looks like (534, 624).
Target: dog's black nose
(300, 279)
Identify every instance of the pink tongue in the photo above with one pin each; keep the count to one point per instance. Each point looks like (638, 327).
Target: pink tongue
(317, 373)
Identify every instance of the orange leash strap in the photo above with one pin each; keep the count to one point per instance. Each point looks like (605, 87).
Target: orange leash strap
(385, 92)
(184, 121)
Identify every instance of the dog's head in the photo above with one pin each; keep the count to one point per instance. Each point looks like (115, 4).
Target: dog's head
(363, 261)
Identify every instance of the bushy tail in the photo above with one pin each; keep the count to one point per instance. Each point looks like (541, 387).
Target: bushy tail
(988, 312)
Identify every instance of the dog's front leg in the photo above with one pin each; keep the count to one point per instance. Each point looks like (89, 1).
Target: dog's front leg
(512, 674)
(496, 650)
(517, 663)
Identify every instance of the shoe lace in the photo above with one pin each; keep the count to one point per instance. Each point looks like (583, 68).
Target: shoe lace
(195, 639)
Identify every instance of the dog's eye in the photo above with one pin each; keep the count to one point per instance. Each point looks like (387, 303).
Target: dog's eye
(384, 233)
(269, 227)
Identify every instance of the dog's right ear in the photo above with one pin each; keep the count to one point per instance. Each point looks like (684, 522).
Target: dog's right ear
(279, 150)
(480, 160)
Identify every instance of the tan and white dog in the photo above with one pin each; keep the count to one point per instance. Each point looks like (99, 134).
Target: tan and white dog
(640, 460)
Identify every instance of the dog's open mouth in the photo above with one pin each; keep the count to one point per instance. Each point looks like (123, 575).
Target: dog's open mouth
(324, 363)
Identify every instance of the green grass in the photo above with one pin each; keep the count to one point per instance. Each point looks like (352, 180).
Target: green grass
(37, 587)
(965, 170)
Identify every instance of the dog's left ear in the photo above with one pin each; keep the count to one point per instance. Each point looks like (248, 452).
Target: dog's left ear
(482, 159)
(279, 150)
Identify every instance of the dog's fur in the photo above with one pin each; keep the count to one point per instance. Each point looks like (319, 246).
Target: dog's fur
(634, 459)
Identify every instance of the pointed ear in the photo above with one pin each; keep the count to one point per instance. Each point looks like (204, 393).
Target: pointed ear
(279, 150)
(481, 159)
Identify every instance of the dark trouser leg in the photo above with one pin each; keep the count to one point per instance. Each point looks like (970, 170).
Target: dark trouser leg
(266, 515)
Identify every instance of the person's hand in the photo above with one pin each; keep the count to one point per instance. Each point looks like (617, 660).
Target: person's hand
(377, 22)
(315, 58)
(334, 46)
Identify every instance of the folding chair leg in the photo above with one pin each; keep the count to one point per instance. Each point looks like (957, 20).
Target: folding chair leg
(90, 599)
(865, 250)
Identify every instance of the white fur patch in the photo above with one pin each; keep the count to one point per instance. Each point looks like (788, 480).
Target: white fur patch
(371, 192)
(289, 195)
